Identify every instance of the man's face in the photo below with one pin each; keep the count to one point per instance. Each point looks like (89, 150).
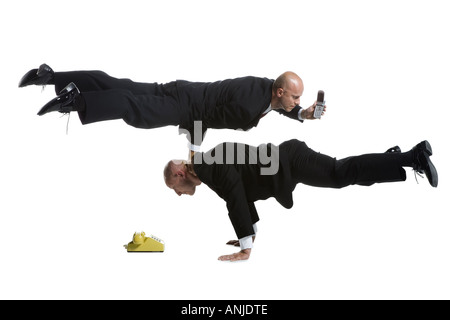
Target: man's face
(290, 96)
(181, 185)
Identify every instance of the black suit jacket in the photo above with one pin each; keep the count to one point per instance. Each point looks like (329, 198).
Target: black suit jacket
(228, 104)
(240, 183)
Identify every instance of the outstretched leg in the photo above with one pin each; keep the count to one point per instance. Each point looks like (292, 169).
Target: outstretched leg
(141, 105)
(316, 169)
(88, 81)
(85, 81)
(98, 97)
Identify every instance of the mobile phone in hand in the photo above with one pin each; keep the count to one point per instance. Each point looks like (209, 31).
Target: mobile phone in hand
(319, 105)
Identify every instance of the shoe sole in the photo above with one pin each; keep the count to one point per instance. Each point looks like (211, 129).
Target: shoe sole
(28, 78)
(433, 178)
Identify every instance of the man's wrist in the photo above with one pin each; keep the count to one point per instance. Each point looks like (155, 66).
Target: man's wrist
(301, 116)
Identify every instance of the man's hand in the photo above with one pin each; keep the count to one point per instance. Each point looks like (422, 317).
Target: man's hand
(241, 255)
(309, 113)
(233, 243)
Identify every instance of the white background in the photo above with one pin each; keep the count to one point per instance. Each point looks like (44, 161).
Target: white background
(68, 203)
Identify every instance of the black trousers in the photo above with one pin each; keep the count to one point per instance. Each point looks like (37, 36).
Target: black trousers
(141, 105)
(315, 169)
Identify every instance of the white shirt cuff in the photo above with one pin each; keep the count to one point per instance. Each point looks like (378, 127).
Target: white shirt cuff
(193, 147)
(300, 114)
(247, 242)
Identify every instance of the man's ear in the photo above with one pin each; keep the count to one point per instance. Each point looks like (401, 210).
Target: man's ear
(181, 173)
(280, 92)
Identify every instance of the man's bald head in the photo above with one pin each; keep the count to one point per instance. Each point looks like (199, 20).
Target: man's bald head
(179, 179)
(286, 91)
(287, 80)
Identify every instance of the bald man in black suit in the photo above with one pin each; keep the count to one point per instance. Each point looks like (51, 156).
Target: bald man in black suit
(229, 104)
(242, 174)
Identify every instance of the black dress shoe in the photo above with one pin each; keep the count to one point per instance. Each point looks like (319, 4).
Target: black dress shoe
(42, 76)
(424, 146)
(395, 149)
(422, 162)
(69, 99)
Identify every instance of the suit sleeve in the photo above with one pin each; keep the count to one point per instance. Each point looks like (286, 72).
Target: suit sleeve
(228, 185)
(253, 212)
(293, 114)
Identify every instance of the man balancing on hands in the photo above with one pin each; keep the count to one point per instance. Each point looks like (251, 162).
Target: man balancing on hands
(242, 174)
(229, 104)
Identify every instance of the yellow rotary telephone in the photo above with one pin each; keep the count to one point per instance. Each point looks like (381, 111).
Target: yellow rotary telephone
(141, 243)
